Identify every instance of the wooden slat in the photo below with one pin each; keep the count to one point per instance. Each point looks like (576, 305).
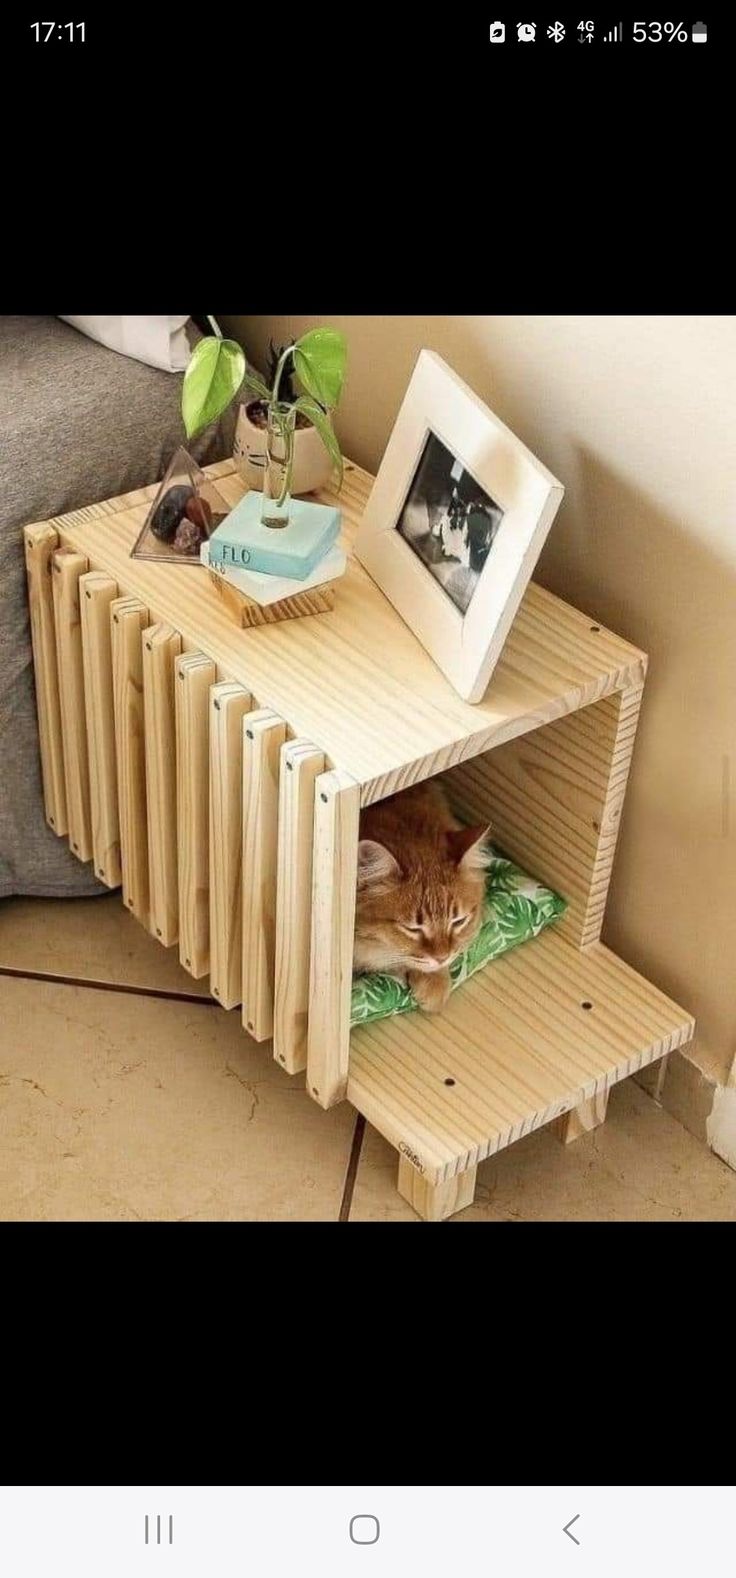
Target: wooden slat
(228, 706)
(194, 676)
(356, 680)
(128, 621)
(41, 543)
(97, 592)
(555, 798)
(514, 1048)
(68, 567)
(336, 817)
(301, 765)
(161, 648)
(263, 736)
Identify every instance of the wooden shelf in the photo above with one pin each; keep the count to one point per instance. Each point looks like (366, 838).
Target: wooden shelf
(520, 1047)
(356, 680)
(161, 720)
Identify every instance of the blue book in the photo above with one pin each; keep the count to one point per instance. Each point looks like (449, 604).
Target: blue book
(242, 542)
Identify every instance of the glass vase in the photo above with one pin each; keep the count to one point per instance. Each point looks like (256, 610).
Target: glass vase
(279, 464)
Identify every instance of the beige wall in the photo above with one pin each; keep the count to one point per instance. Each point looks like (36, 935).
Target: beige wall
(637, 416)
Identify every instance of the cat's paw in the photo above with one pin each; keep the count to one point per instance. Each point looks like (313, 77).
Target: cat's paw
(430, 991)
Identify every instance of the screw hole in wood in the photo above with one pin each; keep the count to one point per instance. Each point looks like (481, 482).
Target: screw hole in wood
(586, 1005)
(449, 1082)
(595, 630)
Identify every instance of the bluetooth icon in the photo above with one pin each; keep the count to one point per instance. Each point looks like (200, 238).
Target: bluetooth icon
(556, 32)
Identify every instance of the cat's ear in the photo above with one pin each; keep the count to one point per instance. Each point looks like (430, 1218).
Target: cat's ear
(468, 847)
(375, 864)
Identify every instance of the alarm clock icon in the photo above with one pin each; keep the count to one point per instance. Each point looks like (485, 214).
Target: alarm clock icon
(526, 32)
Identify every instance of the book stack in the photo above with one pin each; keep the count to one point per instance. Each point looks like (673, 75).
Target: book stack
(269, 564)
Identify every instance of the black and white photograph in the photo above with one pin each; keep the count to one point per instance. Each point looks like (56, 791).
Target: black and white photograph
(449, 522)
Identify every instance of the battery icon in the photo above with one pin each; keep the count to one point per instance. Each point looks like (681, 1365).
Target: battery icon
(700, 32)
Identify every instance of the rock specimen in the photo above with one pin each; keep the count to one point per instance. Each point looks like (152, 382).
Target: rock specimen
(198, 511)
(189, 537)
(166, 517)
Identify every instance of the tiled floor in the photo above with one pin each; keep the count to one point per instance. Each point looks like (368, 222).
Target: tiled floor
(120, 1105)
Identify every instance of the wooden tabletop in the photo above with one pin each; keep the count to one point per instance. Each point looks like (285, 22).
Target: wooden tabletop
(356, 682)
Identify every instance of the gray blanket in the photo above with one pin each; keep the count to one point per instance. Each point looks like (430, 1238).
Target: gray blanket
(78, 423)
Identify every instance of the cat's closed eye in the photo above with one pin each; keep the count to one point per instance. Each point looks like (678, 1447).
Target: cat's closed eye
(413, 931)
(459, 920)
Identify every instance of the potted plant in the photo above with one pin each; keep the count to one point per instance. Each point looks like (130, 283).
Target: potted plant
(282, 418)
(312, 465)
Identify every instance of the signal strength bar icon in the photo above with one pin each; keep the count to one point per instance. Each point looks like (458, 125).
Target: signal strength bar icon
(616, 35)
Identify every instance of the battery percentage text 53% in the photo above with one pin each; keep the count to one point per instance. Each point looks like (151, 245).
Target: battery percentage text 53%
(660, 32)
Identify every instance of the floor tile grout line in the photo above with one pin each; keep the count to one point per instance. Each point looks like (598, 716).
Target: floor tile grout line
(352, 1171)
(108, 986)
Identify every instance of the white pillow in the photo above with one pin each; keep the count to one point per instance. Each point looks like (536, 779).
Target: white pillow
(160, 342)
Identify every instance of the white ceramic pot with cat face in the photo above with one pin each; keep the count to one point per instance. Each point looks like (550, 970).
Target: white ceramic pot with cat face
(312, 465)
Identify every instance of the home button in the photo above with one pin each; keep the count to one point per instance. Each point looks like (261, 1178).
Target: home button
(364, 1529)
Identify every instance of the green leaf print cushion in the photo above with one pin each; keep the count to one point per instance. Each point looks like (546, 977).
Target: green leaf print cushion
(517, 907)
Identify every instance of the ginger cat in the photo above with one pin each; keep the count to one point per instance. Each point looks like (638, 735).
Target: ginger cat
(421, 882)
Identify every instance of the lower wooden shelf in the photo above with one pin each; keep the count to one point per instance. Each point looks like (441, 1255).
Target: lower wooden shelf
(542, 1030)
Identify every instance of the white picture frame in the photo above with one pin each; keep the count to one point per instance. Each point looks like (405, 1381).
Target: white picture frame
(517, 498)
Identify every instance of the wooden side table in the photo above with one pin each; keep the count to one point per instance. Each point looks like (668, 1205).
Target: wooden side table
(218, 774)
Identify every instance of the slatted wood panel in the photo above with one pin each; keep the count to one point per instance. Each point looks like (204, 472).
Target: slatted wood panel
(301, 765)
(161, 648)
(519, 1048)
(555, 799)
(129, 619)
(67, 569)
(41, 543)
(336, 818)
(356, 681)
(195, 674)
(228, 706)
(263, 736)
(97, 592)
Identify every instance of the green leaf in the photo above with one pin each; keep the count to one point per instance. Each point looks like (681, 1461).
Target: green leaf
(211, 381)
(321, 421)
(256, 384)
(320, 359)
